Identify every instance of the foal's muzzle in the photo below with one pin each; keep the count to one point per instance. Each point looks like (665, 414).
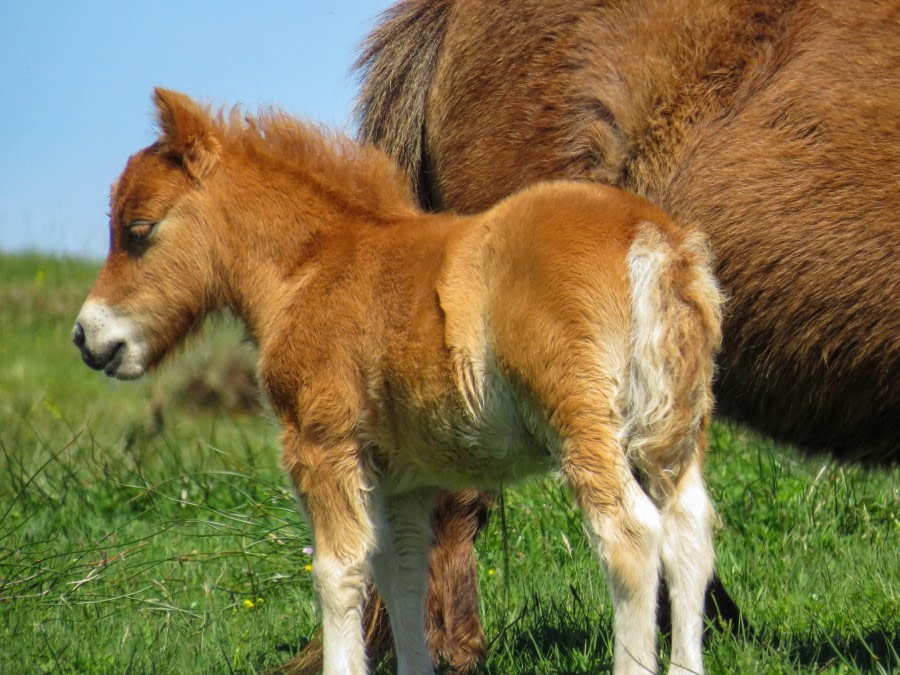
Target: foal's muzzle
(102, 361)
(109, 341)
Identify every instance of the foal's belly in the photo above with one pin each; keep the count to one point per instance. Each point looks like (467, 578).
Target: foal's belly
(505, 441)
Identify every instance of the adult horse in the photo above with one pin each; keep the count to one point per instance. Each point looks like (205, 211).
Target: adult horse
(771, 124)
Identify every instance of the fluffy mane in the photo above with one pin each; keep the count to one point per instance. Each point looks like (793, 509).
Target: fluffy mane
(358, 175)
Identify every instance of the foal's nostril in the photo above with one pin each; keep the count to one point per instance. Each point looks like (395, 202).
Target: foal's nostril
(78, 336)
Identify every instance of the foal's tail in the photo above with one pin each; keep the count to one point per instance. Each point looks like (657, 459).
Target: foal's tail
(676, 315)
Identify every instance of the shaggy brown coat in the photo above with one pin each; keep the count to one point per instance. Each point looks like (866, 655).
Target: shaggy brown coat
(771, 124)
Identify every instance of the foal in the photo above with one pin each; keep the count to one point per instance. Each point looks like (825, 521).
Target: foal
(570, 328)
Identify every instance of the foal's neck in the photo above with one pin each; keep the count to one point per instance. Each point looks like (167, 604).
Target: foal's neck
(278, 215)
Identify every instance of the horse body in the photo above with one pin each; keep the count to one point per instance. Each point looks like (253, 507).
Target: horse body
(571, 326)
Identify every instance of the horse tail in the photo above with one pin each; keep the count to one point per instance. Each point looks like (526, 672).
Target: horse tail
(676, 315)
(397, 63)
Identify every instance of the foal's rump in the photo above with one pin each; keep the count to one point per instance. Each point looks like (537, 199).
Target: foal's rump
(597, 309)
(605, 314)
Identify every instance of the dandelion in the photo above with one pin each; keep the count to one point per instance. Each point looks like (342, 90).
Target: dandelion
(308, 567)
(490, 573)
(248, 604)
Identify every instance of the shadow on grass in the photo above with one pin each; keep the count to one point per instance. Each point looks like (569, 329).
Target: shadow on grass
(576, 645)
(563, 637)
(563, 634)
(877, 651)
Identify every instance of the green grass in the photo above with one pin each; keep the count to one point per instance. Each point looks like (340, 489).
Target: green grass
(142, 533)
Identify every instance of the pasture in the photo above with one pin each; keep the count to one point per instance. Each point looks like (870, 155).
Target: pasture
(147, 527)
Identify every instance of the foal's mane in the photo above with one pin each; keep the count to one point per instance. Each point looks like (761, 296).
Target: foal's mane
(361, 177)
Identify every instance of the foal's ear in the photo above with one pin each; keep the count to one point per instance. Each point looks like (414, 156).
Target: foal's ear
(186, 132)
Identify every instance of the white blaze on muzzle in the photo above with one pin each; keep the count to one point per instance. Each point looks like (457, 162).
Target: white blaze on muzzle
(110, 341)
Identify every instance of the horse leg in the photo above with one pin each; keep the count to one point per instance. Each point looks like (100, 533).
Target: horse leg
(626, 529)
(400, 572)
(337, 505)
(687, 557)
(455, 636)
(340, 587)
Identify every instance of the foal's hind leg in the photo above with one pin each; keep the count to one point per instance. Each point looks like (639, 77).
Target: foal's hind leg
(625, 525)
(400, 572)
(687, 557)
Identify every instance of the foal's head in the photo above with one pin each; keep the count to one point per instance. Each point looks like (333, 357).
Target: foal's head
(158, 280)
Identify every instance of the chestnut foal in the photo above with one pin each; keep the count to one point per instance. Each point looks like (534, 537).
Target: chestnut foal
(570, 328)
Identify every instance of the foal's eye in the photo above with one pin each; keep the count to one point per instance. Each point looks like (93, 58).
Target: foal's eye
(139, 230)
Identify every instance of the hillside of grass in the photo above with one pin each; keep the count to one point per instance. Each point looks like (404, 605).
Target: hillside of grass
(146, 527)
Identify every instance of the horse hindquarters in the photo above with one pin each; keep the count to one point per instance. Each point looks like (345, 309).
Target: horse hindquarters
(646, 413)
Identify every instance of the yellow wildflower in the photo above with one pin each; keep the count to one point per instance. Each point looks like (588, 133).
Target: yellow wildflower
(52, 408)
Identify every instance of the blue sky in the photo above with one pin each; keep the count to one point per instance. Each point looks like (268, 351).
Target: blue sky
(76, 79)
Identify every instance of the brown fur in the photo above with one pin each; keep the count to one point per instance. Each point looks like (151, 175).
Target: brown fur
(770, 123)
(405, 353)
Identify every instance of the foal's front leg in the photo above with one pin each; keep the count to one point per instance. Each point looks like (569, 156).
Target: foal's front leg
(400, 571)
(332, 490)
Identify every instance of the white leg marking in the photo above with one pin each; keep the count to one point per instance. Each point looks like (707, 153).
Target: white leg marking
(341, 587)
(628, 542)
(688, 558)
